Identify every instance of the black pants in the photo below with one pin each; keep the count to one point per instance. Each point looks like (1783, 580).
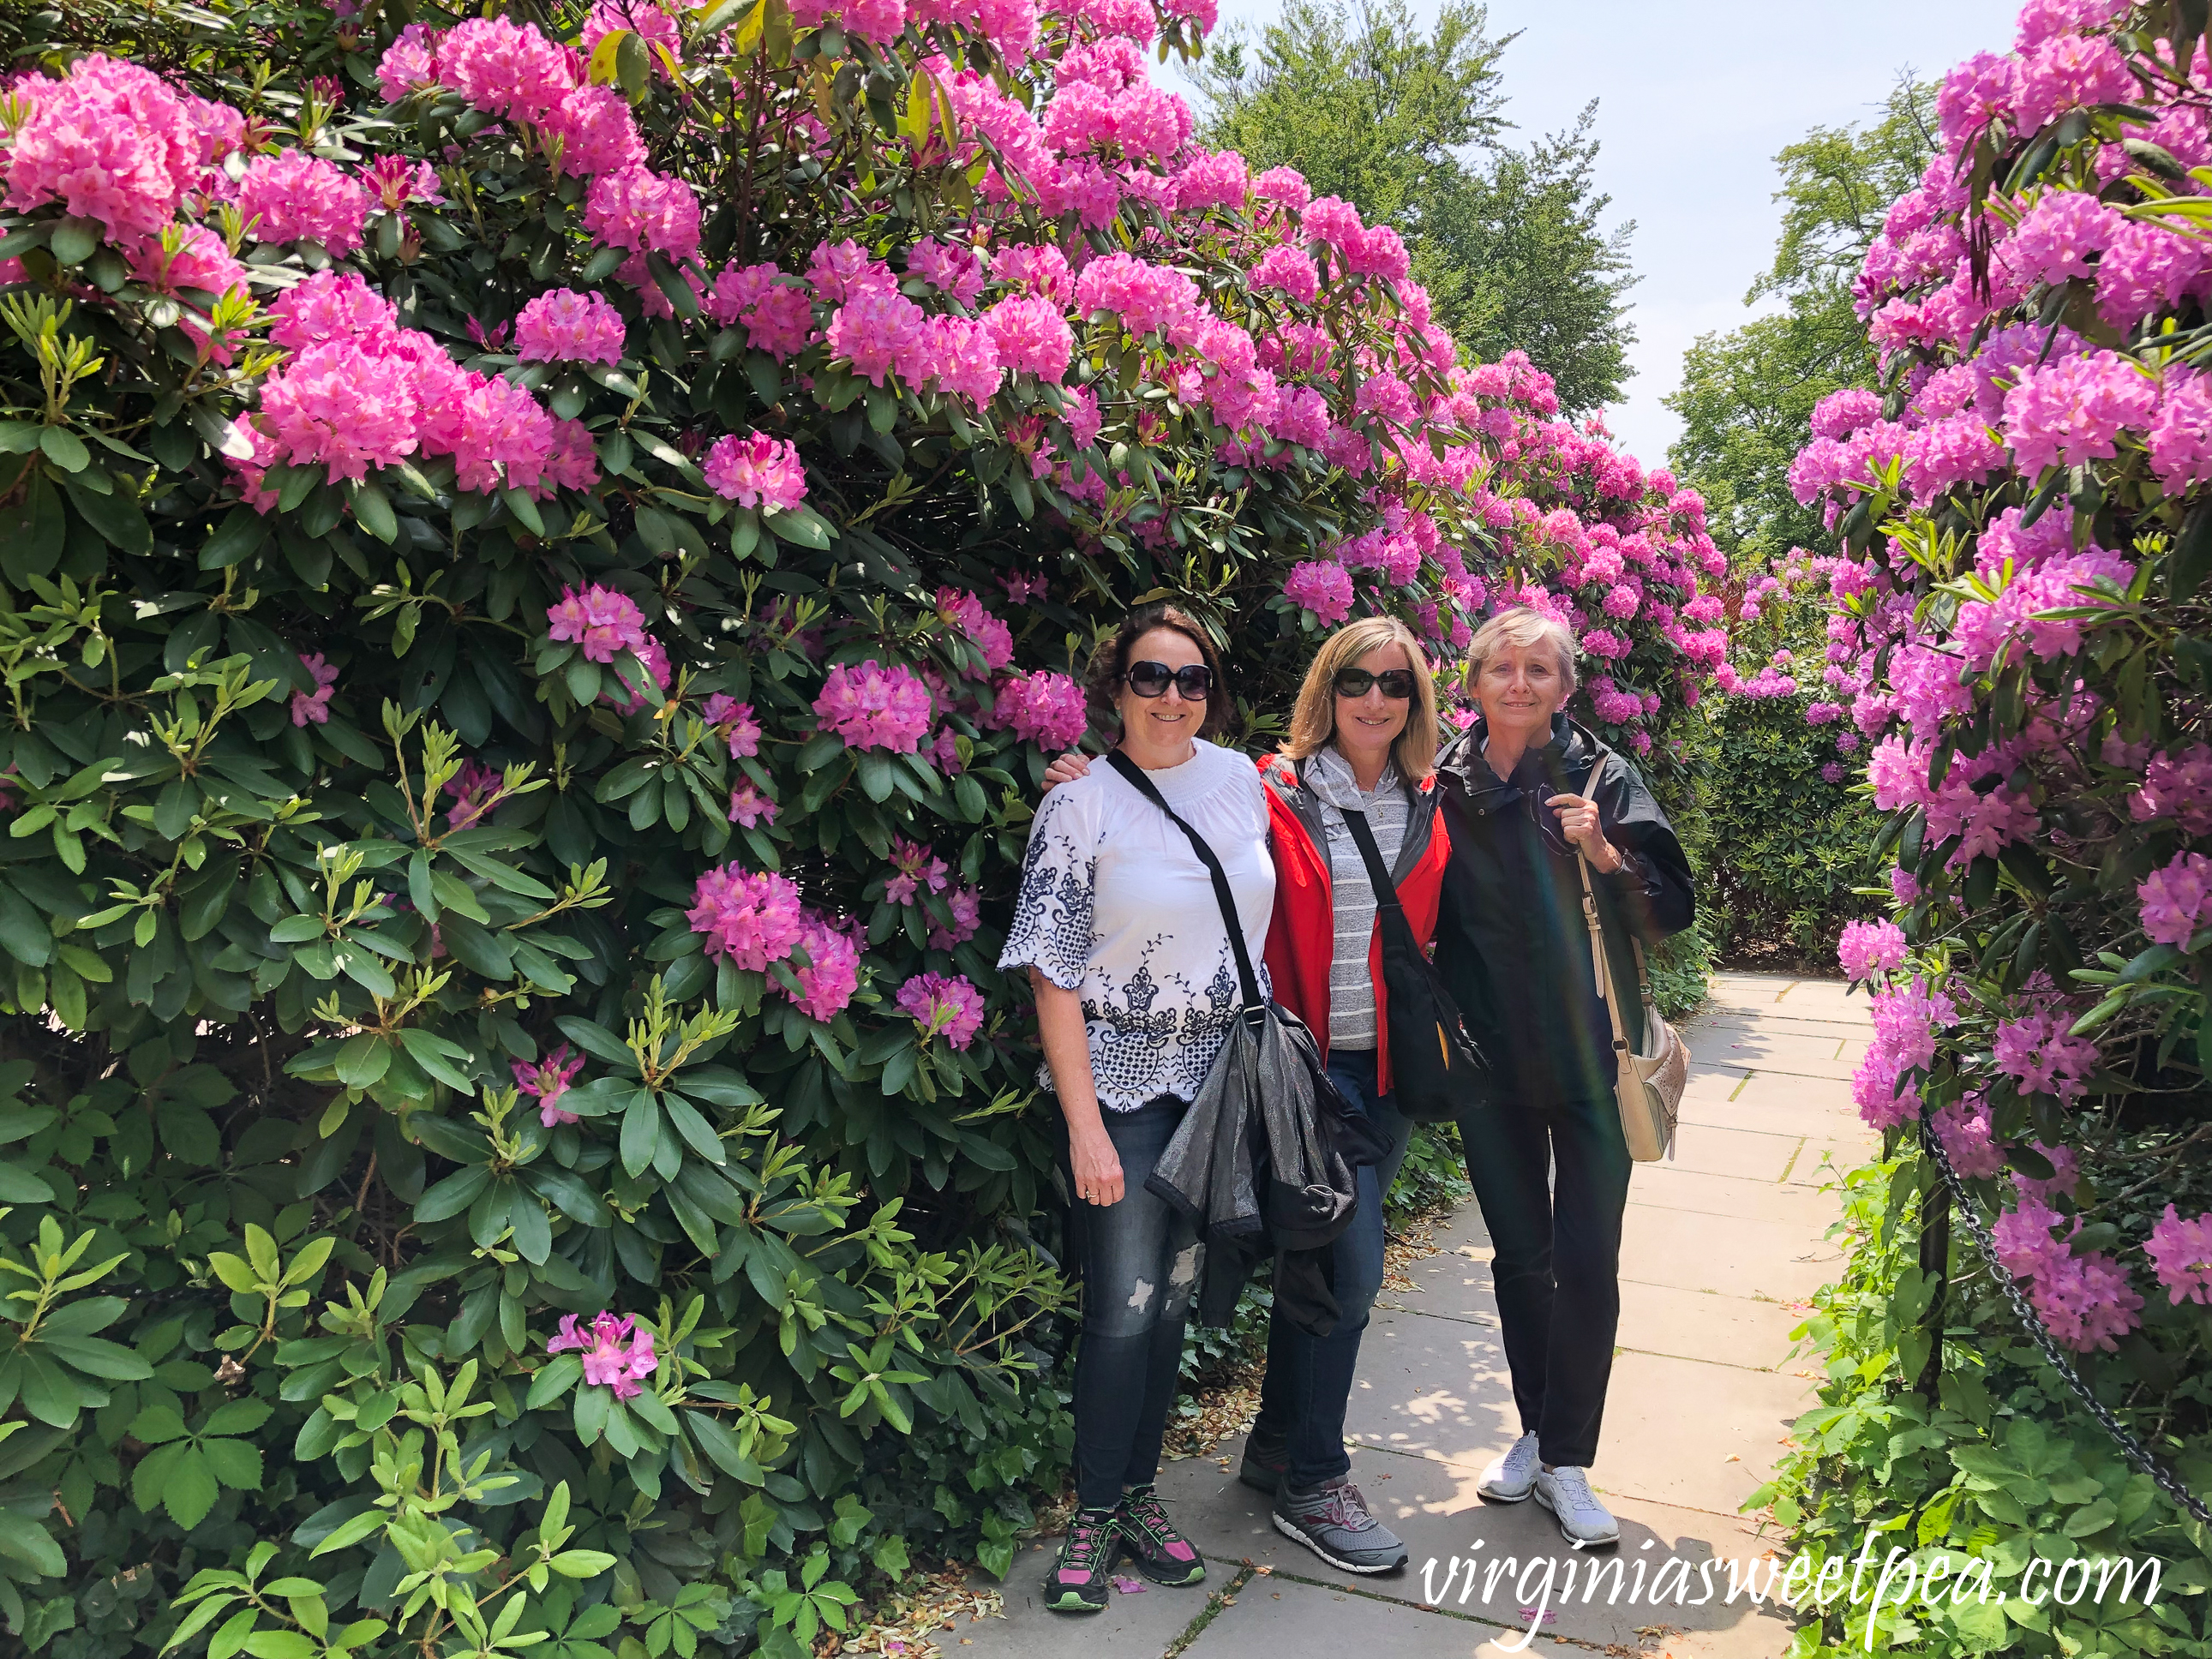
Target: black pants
(1553, 1179)
(1140, 1268)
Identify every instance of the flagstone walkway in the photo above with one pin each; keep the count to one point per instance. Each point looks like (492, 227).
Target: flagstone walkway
(1721, 1246)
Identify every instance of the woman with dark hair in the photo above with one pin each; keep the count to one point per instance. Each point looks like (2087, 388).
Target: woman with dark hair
(1119, 928)
(1362, 739)
(1541, 815)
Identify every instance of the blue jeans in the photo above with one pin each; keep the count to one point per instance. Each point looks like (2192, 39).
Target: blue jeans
(1140, 1268)
(1308, 1381)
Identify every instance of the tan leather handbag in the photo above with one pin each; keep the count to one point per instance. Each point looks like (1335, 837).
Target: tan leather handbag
(1648, 1085)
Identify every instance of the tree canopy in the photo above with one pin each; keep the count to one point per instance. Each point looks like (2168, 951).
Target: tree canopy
(1409, 124)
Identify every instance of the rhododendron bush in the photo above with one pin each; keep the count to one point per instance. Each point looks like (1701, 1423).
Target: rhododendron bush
(543, 556)
(2018, 636)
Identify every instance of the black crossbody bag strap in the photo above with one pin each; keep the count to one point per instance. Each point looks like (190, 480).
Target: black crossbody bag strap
(1255, 1006)
(1378, 876)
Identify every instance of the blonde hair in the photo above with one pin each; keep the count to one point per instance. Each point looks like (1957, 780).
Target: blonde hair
(1523, 626)
(1313, 720)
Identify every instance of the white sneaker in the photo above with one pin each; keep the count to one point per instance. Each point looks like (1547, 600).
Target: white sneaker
(1565, 1492)
(1512, 1477)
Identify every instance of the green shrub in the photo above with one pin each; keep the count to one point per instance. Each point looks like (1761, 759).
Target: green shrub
(363, 1030)
(1785, 851)
(2003, 1465)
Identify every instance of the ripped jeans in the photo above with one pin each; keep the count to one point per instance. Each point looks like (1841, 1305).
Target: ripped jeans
(1140, 1266)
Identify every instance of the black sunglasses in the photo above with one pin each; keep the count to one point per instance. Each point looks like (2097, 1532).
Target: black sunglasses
(1397, 684)
(1150, 679)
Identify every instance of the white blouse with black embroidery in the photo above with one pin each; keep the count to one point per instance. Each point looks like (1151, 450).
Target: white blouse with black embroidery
(1116, 907)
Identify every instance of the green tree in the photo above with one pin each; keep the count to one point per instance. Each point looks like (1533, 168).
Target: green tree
(1747, 394)
(1409, 125)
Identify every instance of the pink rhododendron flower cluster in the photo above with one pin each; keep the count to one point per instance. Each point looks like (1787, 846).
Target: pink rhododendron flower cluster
(546, 1080)
(1871, 947)
(774, 314)
(644, 211)
(2039, 1055)
(832, 973)
(965, 906)
(916, 870)
(1906, 1018)
(1969, 1139)
(747, 920)
(1046, 709)
(757, 472)
(564, 326)
(872, 706)
(599, 621)
(2177, 785)
(989, 634)
(503, 68)
(735, 721)
(363, 393)
(2181, 1254)
(749, 807)
(313, 707)
(294, 196)
(1323, 586)
(2176, 900)
(110, 142)
(946, 1006)
(618, 1352)
(475, 790)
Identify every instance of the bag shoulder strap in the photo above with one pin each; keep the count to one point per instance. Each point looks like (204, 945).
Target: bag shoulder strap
(1378, 876)
(1601, 968)
(1247, 981)
(1643, 970)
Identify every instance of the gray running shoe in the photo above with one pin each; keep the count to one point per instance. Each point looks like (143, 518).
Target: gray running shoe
(1511, 1476)
(1566, 1491)
(1332, 1522)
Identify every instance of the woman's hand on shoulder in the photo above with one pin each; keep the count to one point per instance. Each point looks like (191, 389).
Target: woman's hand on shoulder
(1068, 768)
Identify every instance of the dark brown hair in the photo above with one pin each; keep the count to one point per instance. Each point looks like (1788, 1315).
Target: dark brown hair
(1103, 685)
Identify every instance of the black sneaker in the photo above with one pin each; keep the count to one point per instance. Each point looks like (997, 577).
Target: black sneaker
(1078, 1583)
(1266, 1459)
(1332, 1522)
(1161, 1554)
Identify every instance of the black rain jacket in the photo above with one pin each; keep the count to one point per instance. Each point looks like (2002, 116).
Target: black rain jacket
(1511, 944)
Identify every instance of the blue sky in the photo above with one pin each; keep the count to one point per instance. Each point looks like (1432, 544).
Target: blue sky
(1695, 97)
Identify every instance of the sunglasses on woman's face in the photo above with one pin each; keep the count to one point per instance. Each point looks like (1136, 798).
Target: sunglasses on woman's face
(1397, 684)
(1151, 679)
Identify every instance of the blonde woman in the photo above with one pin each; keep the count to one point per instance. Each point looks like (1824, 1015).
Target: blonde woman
(1529, 794)
(1364, 737)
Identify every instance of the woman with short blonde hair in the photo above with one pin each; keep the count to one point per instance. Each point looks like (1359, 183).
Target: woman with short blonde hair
(1533, 800)
(1524, 628)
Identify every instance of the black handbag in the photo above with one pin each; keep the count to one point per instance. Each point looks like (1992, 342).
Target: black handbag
(1437, 1072)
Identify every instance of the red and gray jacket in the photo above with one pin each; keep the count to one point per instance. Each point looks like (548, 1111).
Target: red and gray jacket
(1302, 934)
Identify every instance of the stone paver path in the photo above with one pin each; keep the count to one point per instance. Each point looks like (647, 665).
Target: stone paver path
(1720, 1247)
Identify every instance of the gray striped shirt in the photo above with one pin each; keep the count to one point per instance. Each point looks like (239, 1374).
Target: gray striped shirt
(1351, 987)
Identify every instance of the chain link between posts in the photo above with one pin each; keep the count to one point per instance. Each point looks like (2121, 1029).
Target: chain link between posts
(2138, 1454)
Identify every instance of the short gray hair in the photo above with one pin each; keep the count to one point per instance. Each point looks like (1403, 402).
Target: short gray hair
(1525, 626)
